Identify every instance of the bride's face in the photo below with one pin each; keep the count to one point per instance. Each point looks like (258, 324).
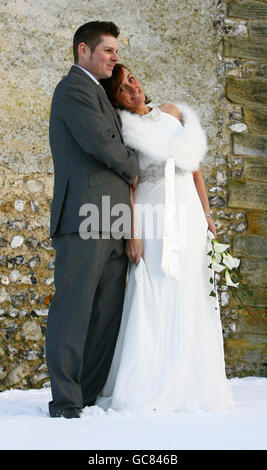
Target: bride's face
(129, 92)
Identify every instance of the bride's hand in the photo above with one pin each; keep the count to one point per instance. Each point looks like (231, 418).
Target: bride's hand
(134, 185)
(134, 250)
(211, 225)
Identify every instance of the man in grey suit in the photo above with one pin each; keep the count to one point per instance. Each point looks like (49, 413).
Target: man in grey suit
(90, 161)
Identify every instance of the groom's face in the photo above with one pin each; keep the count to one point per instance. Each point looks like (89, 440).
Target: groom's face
(101, 61)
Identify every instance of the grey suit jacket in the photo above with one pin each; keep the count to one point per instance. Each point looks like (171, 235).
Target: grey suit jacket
(89, 157)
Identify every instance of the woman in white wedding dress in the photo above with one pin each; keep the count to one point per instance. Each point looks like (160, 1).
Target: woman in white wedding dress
(169, 354)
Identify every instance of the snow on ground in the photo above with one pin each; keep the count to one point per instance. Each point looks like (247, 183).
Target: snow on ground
(26, 425)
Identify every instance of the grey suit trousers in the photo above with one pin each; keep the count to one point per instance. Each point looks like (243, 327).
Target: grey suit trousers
(84, 317)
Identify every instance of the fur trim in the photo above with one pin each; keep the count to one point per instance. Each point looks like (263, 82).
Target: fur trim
(188, 147)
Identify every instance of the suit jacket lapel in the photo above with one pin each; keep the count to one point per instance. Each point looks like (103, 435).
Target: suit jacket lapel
(104, 95)
(100, 90)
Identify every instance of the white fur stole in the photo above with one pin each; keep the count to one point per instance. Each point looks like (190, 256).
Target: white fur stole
(188, 147)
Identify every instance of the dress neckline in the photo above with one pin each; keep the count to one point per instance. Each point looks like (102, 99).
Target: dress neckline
(153, 114)
(156, 112)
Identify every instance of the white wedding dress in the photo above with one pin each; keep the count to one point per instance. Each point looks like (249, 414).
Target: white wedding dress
(169, 353)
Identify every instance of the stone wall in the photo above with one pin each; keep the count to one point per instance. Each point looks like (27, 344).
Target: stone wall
(26, 288)
(243, 192)
(177, 50)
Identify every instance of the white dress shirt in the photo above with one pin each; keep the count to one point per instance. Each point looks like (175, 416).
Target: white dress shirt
(88, 73)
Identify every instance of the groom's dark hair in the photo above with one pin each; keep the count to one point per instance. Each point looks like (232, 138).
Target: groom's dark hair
(91, 33)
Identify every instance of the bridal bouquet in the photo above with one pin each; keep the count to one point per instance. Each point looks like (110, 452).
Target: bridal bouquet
(221, 261)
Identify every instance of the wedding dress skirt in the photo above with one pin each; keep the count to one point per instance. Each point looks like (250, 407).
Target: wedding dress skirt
(169, 353)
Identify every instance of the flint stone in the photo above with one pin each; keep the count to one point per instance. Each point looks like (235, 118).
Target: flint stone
(238, 127)
(19, 298)
(34, 261)
(224, 215)
(18, 373)
(49, 280)
(3, 372)
(17, 241)
(32, 355)
(215, 189)
(10, 330)
(33, 280)
(41, 312)
(34, 206)
(221, 177)
(224, 299)
(4, 280)
(13, 312)
(234, 28)
(32, 242)
(240, 227)
(16, 261)
(236, 173)
(35, 379)
(15, 276)
(217, 201)
(18, 278)
(51, 265)
(46, 244)
(4, 296)
(17, 224)
(19, 205)
(11, 351)
(31, 330)
(34, 186)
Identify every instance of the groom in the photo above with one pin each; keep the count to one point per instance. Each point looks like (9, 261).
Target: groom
(90, 161)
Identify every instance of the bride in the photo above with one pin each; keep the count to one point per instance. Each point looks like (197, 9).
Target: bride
(169, 354)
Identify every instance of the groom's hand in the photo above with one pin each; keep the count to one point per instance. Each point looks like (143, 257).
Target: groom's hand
(134, 250)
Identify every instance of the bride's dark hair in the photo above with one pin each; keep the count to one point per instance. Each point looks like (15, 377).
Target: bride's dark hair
(110, 84)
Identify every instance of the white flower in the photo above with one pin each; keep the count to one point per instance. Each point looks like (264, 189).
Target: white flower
(229, 281)
(219, 247)
(217, 267)
(217, 258)
(229, 261)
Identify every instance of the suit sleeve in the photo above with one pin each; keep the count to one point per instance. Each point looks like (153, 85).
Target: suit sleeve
(95, 134)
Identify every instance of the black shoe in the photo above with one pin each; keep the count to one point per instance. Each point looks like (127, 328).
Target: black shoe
(91, 403)
(67, 413)
(71, 413)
